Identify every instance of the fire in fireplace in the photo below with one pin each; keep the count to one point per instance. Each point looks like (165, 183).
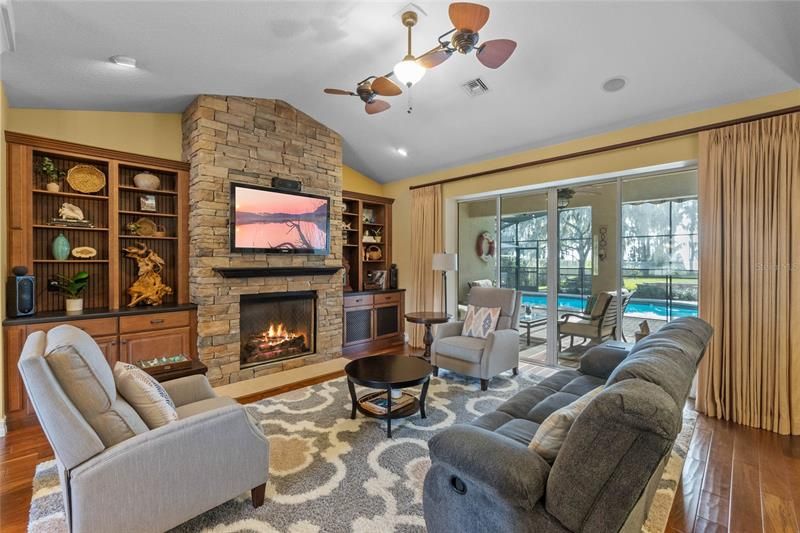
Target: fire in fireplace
(277, 326)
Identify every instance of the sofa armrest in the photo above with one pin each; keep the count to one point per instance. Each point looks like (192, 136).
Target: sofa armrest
(176, 472)
(449, 329)
(600, 361)
(490, 461)
(188, 389)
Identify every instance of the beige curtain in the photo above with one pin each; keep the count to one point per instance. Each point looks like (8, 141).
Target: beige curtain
(426, 239)
(749, 205)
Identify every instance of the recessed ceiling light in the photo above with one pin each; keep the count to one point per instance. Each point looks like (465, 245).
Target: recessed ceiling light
(617, 83)
(401, 151)
(123, 61)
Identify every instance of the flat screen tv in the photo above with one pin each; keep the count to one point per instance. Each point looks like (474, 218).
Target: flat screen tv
(276, 221)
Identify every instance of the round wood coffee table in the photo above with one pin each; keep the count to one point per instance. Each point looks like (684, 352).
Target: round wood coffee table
(387, 373)
(428, 318)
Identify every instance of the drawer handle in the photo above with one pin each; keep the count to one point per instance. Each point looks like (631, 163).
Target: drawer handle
(123, 342)
(157, 321)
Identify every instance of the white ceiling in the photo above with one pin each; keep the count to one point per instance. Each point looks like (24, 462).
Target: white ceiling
(677, 56)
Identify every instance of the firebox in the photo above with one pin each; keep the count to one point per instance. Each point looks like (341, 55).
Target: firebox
(277, 326)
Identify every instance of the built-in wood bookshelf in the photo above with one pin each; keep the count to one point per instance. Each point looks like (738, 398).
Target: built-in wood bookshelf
(368, 217)
(110, 210)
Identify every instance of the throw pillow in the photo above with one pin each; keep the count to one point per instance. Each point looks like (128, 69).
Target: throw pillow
(480, 321)
(553, 432)
(145, 394)
(85, 377)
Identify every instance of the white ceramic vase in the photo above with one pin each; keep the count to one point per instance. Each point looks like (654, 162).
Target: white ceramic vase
(53, 187)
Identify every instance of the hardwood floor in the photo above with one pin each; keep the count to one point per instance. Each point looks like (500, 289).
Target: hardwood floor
(735, 479)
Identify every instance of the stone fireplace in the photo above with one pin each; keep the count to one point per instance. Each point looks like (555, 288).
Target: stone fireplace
(251, 140)
(277, 326)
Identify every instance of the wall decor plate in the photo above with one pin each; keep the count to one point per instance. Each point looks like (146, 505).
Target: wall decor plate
(86, 179)
(146, 227)
(84, 252)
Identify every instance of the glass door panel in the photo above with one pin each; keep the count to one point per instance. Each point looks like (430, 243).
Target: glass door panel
(523, 266)
(477, 248)
(587, 268)
(659, 249)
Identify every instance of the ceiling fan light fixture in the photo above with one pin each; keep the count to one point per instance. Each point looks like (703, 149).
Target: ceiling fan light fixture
(408, 71)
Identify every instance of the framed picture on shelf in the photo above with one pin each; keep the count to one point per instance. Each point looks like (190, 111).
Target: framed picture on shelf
(147, 203)
(376, 280)
(368, 216)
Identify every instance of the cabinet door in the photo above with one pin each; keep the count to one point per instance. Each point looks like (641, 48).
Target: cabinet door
(138, 346)
(357, 325)
(388, 320)
(110, 348)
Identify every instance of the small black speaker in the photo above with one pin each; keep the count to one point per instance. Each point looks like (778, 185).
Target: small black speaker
(393, 279)
(288, 185)
(20, 293)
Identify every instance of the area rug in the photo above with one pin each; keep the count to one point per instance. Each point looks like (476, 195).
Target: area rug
(329, 473)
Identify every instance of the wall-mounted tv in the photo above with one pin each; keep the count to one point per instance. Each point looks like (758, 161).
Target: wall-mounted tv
(277, 221)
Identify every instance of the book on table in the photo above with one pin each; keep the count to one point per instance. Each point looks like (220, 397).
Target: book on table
(378, 404)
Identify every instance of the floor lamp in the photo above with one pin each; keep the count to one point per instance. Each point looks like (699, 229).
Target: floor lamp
(445, 263)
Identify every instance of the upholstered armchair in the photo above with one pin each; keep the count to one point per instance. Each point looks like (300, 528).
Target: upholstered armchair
(476, 357)
(155, 479)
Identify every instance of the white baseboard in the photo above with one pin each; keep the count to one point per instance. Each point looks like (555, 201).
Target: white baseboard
(3, 428)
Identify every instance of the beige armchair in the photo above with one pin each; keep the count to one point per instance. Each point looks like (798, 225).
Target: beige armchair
(155, 479)
(481, 358)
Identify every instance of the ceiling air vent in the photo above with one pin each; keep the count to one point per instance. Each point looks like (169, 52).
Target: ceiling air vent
(475, 87)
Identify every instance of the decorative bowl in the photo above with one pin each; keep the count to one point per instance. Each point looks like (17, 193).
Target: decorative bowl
(146, 181)
(86, 179)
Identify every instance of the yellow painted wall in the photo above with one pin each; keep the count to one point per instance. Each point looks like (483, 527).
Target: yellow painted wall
(678, 149)
(353, 180)
(153, 134)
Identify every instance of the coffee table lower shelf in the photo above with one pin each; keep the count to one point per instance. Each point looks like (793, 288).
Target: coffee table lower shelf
(403, 411)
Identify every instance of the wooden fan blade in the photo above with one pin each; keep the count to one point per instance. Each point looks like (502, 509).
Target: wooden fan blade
(376, 106)
(468, 16)
(339, 91)
(494, 53)
(433, 59)
(385, 87)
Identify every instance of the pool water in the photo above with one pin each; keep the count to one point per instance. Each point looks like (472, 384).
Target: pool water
(656, 310)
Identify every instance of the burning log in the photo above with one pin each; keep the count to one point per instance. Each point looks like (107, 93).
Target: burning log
(274, 343)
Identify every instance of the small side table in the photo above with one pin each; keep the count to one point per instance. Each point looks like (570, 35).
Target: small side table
(428, 319)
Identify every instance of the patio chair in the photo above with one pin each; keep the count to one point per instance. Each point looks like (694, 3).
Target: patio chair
(600, 323)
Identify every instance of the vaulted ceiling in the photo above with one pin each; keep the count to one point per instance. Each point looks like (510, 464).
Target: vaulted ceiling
(677, 57)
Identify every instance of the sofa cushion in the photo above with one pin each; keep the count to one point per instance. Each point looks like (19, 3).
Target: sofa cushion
(145, 394)
(190, 409)
(663, 365)
(601, 360)
(480, 321)
(464, 348)
(551, 404)
(87, 380)
(553, 431)
(519, 429)
(582, 384)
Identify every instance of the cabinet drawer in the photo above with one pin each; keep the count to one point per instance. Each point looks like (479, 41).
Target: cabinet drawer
(390, 298)
(96, 327)
(357, 301)
(137, 346)
(149, 322)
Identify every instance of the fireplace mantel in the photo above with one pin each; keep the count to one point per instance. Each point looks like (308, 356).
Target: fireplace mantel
(275, 272)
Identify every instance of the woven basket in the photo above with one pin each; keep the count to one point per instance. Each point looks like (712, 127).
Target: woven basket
(86, 179)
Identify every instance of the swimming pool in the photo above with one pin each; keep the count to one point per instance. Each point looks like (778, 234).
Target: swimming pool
(653, 309)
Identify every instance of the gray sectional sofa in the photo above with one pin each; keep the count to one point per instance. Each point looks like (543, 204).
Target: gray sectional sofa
(484, 477)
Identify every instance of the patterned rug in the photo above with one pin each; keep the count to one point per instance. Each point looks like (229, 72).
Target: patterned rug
(332, 474)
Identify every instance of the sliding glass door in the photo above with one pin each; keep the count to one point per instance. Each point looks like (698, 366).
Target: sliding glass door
(595, 261)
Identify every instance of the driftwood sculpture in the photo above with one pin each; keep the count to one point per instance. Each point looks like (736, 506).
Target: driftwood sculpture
(149, 288)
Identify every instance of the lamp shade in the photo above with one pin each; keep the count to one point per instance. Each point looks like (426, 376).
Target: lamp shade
(445, 262)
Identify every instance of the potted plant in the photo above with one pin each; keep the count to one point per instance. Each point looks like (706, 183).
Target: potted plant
(52, 174)
(72, 288)
(377, 233)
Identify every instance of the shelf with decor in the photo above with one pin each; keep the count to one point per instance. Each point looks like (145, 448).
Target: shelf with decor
(69, 208)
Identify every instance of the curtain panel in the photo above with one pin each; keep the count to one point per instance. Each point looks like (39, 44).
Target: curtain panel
(426, 239)
(749, 205)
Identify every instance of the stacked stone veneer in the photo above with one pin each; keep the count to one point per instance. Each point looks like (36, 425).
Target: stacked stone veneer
(252, 140)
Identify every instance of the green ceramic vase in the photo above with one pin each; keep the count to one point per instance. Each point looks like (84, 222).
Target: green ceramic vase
(61, 248)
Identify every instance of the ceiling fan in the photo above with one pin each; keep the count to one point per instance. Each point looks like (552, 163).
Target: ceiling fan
(368, 89)
(468, 19)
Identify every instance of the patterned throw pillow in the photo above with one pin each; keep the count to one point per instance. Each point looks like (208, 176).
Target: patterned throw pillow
(145, 394)
(552, 433)
(480, 321)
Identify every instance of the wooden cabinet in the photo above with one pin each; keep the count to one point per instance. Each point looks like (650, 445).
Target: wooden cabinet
(122, 336)
(373, 320)
(367, 232)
